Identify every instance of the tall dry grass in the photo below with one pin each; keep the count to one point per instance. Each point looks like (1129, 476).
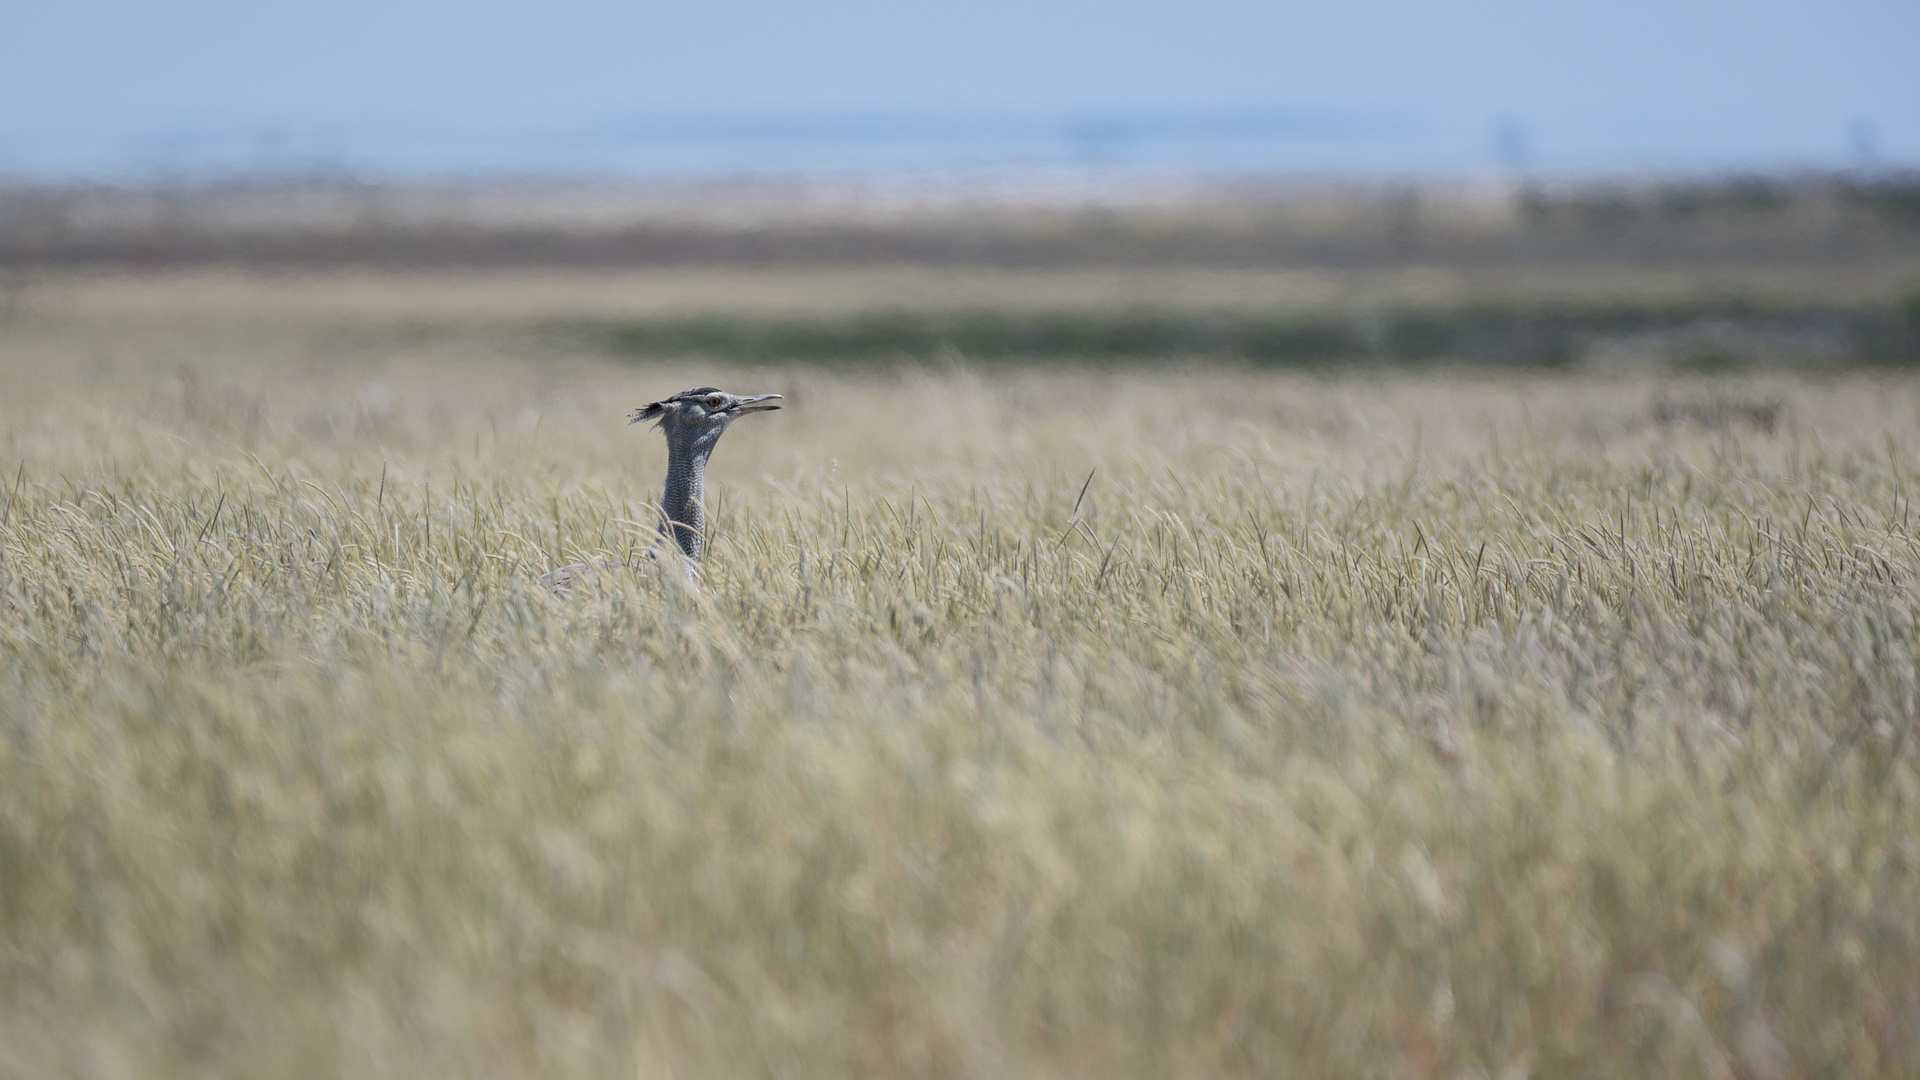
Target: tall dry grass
(1180, 722)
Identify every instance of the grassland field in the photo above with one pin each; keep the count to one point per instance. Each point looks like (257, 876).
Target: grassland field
(1186, 717)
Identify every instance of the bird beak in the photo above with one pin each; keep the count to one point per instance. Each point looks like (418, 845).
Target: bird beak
(757, 403)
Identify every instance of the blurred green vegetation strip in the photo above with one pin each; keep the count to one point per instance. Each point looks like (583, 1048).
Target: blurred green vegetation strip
(1492, 333)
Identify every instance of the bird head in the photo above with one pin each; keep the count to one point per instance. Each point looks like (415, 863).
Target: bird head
(703, 409)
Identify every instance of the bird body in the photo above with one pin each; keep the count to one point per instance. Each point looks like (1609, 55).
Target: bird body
(693, 421)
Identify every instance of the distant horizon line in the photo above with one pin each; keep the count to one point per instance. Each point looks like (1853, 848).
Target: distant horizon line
(694, 146)
(988, 181)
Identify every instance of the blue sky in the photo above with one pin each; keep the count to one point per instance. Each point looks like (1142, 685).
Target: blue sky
(1366, 85)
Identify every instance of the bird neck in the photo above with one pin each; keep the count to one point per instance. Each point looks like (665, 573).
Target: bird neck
(682, 515)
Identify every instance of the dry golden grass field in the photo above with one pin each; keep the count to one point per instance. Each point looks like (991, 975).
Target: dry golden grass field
(1186, 719)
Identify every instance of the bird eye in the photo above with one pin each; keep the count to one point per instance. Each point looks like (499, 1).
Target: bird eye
(714, 401)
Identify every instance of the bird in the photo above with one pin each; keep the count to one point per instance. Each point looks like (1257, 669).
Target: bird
(693, 421)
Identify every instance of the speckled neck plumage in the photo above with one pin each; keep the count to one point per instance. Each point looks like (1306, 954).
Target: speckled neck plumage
(682, 513)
